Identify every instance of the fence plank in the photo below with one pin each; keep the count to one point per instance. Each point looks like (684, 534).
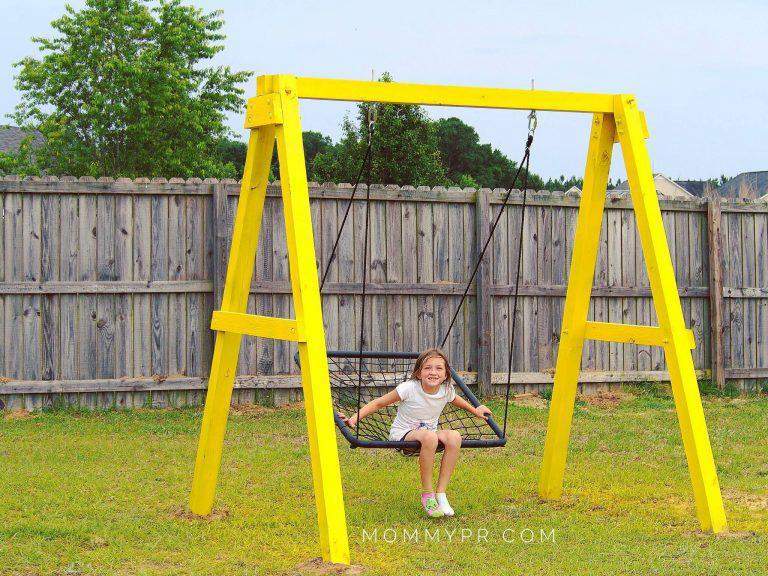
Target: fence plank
(124, 234)
(425, 273)
(629, 243)
(196, 242)
(546, 357)
(393, 225)
(761, 279)
(32, 233)
(559, 264)
(748, 277)
(529, 272)
(142, 318)
(159, 271)
(736, 278)
(697, 252)
(177, 303)
(500, 274)
(378, 273)
(14, 308)
(484, 300)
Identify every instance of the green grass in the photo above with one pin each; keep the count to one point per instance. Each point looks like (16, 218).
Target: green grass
(105, 493)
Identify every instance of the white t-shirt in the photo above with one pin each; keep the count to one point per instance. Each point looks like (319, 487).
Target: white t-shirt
(417, 409)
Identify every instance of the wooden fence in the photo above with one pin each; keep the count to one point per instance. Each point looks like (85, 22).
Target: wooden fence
(107, 287)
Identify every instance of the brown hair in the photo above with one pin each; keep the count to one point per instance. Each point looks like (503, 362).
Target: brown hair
(426, 355)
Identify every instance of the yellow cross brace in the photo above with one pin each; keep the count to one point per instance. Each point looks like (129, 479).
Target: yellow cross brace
(631, 334)
(263, 326)
(273, 115)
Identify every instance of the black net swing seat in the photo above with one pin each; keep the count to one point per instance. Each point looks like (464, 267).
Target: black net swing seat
(380, 373)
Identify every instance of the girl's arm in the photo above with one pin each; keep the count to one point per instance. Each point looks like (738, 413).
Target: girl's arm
(372, 406)
(481, 411)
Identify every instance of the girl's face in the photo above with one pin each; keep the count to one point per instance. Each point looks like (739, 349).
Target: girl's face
(433, 371)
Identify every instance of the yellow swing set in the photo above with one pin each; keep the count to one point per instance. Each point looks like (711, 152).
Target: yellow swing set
(273, 115)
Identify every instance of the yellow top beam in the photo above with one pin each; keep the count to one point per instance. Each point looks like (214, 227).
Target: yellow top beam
(435, 95)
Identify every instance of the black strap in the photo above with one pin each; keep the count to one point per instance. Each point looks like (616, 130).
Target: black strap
(523, 162)
(366, 161)
(360, 361)
(517, 285)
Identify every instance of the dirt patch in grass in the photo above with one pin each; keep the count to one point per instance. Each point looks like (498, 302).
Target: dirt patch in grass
(737, 535)
(251, 409)
(316, 567)
(19, 415)
(182, 513)
(749, 500)
(606, 398)
(258, 409)
(530, 400)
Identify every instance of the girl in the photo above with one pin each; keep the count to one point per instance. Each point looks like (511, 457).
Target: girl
(422, 399)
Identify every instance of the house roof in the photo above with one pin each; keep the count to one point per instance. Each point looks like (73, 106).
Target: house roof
(11, 138)
(664, 186)
(750, 185)
(696, 187)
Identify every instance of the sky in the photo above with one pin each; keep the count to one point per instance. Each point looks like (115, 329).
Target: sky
(698, 69)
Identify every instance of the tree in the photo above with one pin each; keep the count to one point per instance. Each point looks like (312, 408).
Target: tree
(232, 152)
(405, 148)
(562, 183)
(123, 90)
(314, 143)
(466, 160)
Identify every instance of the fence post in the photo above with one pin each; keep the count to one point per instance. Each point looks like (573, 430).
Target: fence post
(483, 287)
(714, 214)
(220, 231)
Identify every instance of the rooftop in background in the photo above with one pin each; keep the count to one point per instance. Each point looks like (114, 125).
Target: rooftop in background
(745, 186)
(11, 138)
(665, 187)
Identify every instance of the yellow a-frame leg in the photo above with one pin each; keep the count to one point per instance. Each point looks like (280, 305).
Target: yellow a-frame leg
(275, 112)
(671, 333)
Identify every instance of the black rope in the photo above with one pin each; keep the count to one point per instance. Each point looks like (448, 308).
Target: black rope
(517, 284)
(366, 160)
(523, 162)
(365, 269)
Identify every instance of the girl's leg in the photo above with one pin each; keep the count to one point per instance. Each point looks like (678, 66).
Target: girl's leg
(428, 441)
(451, 439)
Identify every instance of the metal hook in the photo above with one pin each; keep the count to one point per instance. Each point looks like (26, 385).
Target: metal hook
(532, 120)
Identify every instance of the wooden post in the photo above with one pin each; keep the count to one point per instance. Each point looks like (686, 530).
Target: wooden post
(576, 306)
(318, 405)
(714, 215)
(676, 341)
(239, 272)
(483, 286)
(221, 230)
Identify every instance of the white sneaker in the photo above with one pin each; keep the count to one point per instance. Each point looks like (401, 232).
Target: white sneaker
(442, 502)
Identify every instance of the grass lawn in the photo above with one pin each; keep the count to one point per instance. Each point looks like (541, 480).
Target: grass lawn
(106, 493)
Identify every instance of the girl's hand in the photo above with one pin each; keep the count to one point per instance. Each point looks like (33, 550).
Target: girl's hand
(351, 421)
(483, 412)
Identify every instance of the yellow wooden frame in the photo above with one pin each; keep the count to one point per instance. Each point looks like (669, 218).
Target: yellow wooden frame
(273, 115)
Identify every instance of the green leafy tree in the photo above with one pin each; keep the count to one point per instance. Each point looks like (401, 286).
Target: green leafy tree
(314, 143)
(405, 147)
(466, 160)
(562, 183)
(232, 152)
(123, 90)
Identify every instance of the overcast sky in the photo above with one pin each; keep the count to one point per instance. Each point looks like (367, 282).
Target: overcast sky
(699, 69)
